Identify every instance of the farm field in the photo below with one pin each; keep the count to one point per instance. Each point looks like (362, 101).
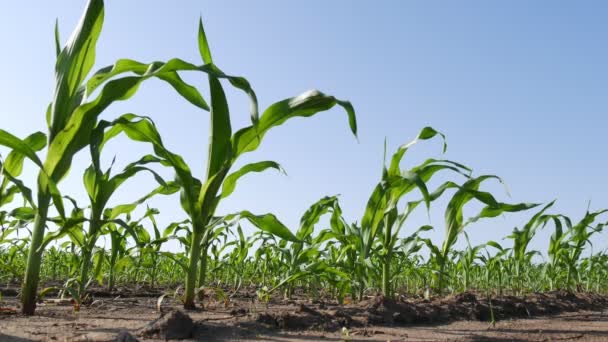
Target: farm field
(454, 318)
(96, 259)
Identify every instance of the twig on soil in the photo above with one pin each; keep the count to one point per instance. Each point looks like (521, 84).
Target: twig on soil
(220, 318)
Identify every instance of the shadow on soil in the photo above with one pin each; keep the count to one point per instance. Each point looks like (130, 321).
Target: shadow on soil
(8, 338)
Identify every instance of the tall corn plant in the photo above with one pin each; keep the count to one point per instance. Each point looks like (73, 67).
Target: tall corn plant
(71, 118)
(200, 198)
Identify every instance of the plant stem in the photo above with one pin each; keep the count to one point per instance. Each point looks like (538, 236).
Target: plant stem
(386, 266)
(386, 291)
(195, 253)
(203, 271)
(84, 270)
(87, 250)
(441, 270)
(32, 272)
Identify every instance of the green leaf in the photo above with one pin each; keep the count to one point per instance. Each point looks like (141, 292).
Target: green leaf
(495, 245)
(425, 134)
(168, 189)
(14, 161)
(57, 40)
(467, 192)
(188, 92)
(71, 227)
(108, 188)
(154, 69)
(268, 223)
(230, 182)
(220, 149)
(173, 257)
(74, 63)
(313, 215)
(143, 129)
(203, 44)
(19, 146)
(23, 213)
(305, 105)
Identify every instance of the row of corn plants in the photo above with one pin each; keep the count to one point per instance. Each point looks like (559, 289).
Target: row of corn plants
(320, 261)
(73, 120)
(47, 236)
(335, 255)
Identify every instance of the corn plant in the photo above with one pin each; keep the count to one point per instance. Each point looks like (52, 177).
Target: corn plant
(154, 244)
(566, 246)
(455, 223)
(71, 119)
(595, 268)
(520, 256)
(467, 258)
(199, 199)
(13, 221)
(300, 257)
(382, 221)
(494, 269)
(100, 186)
(12, 251)
(406, 257)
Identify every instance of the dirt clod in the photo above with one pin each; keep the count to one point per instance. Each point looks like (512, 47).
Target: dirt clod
(469, 306)
(125, 336)
(304, 317)
(172, 325)
(238, 312)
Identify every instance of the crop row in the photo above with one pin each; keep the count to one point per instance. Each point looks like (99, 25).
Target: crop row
(50, 236)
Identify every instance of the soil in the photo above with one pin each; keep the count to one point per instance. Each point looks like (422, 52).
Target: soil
(464, 317)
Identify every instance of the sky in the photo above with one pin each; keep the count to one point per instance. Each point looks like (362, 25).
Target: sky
(518, 87)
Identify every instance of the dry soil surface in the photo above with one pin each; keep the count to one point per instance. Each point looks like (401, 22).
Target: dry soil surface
(107, 317)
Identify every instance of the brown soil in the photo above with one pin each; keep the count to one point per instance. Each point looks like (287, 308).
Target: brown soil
(463, 317)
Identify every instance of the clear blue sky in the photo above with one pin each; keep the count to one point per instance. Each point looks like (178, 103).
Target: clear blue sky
(518, 87)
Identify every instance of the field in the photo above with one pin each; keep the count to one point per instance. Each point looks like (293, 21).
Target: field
(88, 269)
(464, 317)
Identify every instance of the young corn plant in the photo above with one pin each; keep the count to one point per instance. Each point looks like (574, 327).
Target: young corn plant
(494, 269)
(8, 222)
(118, 250)
(455, 223)
(200, 199)
(300, 258)
(406, 257)
(154, 245)
(520, 255)
(100, 185)
(566, 247)
(71, 118)
(382, 221)
(466, 262)
(12, 252)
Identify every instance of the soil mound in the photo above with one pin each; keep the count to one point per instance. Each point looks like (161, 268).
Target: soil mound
(382, 310)
(305, 317)
(172, 325)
